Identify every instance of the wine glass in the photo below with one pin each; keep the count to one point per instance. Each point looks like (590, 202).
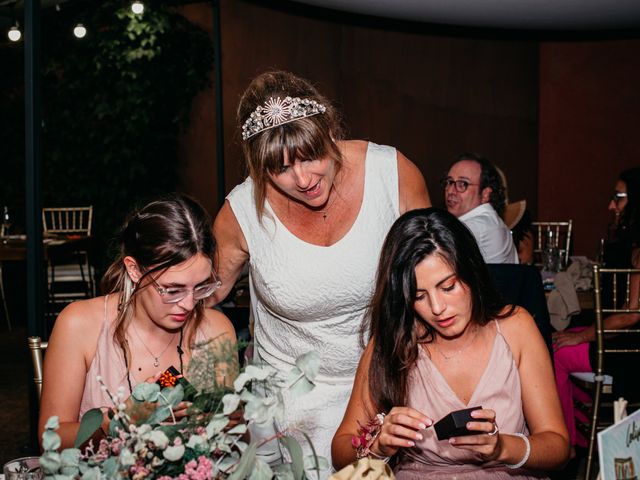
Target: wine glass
(6, 222)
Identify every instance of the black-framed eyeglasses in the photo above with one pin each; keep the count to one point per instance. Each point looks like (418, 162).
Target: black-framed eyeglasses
(617, 196)
(460, 185)
(177, 294)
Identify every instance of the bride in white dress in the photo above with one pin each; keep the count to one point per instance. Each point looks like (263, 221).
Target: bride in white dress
(310, 219)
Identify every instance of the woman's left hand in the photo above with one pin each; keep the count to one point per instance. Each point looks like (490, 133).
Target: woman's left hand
(487, 441)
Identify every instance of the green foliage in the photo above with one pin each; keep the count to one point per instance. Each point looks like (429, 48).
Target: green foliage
(114, 104)
(214, 439)
(91, 422)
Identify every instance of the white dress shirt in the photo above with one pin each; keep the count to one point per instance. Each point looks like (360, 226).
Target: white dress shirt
(491, 233)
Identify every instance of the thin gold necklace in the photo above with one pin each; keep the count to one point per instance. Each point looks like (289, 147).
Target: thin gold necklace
(457, 352)
(156, 358)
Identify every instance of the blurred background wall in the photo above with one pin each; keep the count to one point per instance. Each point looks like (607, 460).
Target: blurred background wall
(559, 117)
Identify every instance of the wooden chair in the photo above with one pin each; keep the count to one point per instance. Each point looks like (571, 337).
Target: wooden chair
(609, 343)
(70, 276)
(36, 347)
(561, 234)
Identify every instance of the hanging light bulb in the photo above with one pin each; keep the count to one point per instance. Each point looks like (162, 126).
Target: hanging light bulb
(79, 31)
(14, 34)
(137, 7)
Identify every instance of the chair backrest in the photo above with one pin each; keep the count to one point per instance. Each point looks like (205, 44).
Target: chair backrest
(522, 285)
(561, 234)
(67, 220)
(608, 283)
(36, 347)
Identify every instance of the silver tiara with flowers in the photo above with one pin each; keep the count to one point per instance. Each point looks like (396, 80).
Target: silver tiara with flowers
(278, 111)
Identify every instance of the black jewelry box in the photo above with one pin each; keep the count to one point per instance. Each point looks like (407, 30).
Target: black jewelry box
(455, 424)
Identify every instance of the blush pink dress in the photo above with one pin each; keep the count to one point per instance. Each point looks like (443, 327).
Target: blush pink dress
(498, 389)
(108, 362)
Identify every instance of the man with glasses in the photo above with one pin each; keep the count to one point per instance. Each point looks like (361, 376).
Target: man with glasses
(474, 193)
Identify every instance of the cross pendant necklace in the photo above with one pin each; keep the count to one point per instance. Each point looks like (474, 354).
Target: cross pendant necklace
(156, 359)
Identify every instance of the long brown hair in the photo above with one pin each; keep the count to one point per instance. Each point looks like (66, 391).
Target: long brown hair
(413, 237)
(308, 138)
(161, 234)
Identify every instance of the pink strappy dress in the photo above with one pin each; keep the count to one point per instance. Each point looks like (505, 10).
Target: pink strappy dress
(498, 389)
(108, 362)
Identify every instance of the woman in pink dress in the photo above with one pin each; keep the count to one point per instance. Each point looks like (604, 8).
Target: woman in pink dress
(441, 341)
(152, 314)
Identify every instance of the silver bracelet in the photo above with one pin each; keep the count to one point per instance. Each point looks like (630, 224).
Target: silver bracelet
(527, 452)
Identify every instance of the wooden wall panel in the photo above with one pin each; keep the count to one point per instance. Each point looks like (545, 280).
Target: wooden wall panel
(589, 118)
(430, 95)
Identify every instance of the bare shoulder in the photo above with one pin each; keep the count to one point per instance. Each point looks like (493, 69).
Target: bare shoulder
(83, 316)
(226, 228)
(79, 324)
(354, 153)
(411, 185)
(520, 330)
(215, 324)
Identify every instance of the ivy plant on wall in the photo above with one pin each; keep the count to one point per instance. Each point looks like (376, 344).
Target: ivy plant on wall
(114, 105)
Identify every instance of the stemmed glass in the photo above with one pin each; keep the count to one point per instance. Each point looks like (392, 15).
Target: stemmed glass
(6, 222)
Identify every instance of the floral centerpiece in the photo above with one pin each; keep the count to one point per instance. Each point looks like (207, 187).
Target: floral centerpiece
(144, 440)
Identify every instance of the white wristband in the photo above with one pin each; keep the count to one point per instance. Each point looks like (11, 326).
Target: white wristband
(527, 452)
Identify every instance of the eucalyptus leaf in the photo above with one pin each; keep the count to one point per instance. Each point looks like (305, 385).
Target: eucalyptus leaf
(283, 472)
(259, 372)
(70, 457)
(239, 429)
(313, 461)
(92, 474)
(90, 423)
(216, 425)
(261, 471)
(50, 462)
(230, 402)
(160, 414)
(50, 440)
(53, 423)
(240, 381)
(146, 392)
(110, 467)
(300, 385)
(246, 463)
(295, 452)
(309, 363)
(172, 396)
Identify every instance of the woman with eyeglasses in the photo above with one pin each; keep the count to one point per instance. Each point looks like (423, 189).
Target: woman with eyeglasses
(574, 349)
(150, 318)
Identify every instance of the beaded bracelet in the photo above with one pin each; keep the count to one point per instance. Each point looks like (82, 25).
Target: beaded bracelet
(366, 435)
(527, 452)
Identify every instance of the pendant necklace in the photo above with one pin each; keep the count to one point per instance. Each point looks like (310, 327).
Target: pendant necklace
(156, 358)
(325, 212)
(467, 345)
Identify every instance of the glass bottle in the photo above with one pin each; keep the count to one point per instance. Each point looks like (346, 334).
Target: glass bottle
(550, 252)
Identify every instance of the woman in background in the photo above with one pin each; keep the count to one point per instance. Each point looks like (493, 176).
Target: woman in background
(310, 220)
(442, 340)
(574, 349)
(149, 319)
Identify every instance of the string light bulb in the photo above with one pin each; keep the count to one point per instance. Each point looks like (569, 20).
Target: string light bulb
(137, 7)
(79, 31)
(14, 34)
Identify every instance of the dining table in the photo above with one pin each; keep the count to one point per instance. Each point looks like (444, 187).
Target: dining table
(13, 248)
